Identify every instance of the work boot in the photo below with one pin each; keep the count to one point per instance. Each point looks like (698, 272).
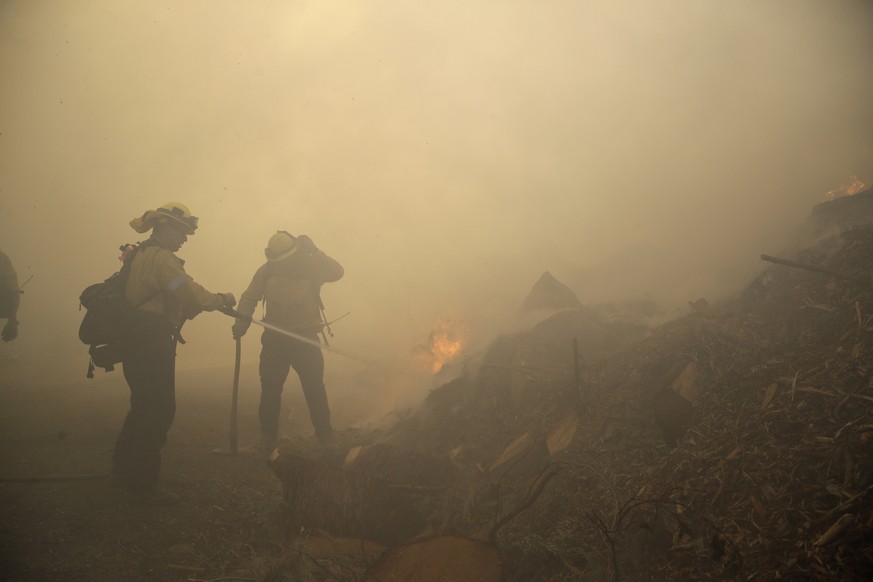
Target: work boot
(266, 444)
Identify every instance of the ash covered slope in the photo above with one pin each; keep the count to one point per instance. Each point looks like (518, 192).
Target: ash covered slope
(766, 398)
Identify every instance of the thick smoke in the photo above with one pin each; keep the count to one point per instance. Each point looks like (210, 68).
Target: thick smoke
(446, 154)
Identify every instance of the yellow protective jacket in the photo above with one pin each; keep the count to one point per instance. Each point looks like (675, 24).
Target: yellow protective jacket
(290, 288)
(157, 283)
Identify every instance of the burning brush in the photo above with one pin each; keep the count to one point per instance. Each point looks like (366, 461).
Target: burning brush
(850, 188)
(444, 345)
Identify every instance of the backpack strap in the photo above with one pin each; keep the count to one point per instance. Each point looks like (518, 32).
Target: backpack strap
(126, 266)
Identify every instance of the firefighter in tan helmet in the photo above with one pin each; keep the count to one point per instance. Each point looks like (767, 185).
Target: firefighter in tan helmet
(163, 297)
(290, 284)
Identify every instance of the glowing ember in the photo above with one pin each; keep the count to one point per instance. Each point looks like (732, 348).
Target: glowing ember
(852, 187)
(446, 342)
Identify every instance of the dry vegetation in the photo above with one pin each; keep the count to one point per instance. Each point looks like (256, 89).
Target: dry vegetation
(769, 401)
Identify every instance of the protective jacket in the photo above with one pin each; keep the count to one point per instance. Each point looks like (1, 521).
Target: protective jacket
(157, 278)
(290, 288)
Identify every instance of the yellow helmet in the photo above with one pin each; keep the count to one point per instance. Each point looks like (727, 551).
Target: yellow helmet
(171, 211)
(281, 246)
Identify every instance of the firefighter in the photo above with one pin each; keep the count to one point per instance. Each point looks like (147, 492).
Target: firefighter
(166, 297)
(290, 284)
(10, 297)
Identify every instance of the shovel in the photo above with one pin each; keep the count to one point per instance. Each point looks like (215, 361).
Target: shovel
(234, 398)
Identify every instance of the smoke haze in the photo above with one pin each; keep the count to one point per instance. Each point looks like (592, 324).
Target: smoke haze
(446, 154)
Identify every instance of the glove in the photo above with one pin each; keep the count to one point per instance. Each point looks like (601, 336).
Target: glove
(10, 331)
(228, 298)
(239, 328)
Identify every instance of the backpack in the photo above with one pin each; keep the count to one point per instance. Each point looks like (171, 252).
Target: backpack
(106, 315)
(8, 302)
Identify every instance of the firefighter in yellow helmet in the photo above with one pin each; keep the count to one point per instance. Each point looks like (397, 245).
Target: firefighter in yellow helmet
(290, 284)
(10, 297)
(164, 296)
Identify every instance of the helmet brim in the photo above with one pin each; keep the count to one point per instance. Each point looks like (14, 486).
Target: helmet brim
(152, 218)
(281, 256)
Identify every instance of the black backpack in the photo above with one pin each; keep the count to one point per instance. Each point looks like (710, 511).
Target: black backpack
(107, 313)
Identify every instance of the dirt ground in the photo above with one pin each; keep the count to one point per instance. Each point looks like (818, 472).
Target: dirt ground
(225, 526)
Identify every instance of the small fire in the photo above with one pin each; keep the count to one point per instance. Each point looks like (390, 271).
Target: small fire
(853, 186)
(444, 345)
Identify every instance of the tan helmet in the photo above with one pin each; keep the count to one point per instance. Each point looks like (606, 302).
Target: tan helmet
(281, 246)
(171, 211)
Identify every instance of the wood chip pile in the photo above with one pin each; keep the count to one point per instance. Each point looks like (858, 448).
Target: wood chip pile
(732, 443)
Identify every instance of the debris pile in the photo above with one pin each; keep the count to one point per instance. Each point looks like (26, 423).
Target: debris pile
(730, 443)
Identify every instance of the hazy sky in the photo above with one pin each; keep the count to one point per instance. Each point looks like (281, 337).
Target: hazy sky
(445, 153)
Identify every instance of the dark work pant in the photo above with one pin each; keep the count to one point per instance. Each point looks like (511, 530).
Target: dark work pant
(149, 362)
(278, 355)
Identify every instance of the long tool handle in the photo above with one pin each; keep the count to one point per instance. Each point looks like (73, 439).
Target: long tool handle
(235, 396)
(314, 342)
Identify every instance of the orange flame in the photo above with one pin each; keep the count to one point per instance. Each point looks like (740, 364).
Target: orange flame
(853, 186)
(445, 344)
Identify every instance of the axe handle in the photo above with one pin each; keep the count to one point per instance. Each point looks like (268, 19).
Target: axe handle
(235, 396)
(230, 311)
